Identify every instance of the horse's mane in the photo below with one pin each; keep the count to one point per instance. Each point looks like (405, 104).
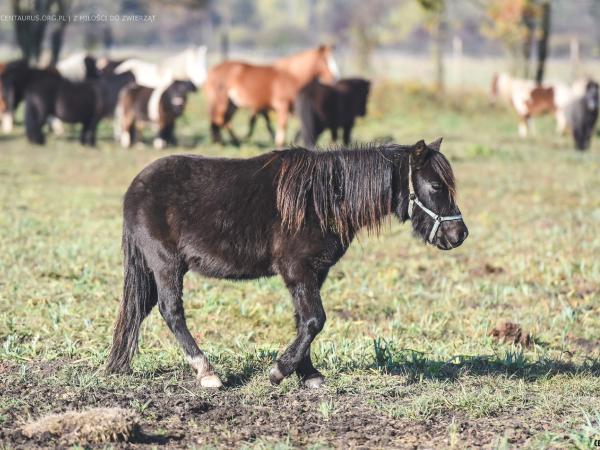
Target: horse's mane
(347, 189)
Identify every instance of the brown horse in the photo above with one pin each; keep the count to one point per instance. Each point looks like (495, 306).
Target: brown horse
(235, 84)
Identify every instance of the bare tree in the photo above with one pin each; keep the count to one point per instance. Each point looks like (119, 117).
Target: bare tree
(436, 10)
(30, 26)
(543, 40)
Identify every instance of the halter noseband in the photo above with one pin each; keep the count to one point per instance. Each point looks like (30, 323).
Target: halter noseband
(413, 199)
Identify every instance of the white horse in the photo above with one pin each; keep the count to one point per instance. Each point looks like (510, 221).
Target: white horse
(187, 65)
(530, 99)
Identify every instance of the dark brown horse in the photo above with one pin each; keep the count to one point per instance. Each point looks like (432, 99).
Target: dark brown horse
(291, 213)
(320, 106)
(235, 84)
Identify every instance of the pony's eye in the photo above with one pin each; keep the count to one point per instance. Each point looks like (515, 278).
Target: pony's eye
(436, 186)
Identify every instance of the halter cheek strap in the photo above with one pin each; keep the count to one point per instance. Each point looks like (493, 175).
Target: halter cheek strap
(414, 200)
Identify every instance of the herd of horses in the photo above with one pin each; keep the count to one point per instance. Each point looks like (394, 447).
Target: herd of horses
(133, 92)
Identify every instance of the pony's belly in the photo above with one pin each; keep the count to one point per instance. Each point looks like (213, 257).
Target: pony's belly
(233, 267)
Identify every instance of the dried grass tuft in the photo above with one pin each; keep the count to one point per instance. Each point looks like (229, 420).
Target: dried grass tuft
(91, 425)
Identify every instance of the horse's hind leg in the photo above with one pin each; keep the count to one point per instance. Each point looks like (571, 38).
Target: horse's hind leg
(310, 319)
(265, 114)
(169, 281)
(251, 126)
(231, 109)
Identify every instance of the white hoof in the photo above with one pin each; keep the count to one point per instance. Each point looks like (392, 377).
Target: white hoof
(314, 382)
(211, 381)
(7, 122)
(275, 375)
(125, 139)
(159, 143)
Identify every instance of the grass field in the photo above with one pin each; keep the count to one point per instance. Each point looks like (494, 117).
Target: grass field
(407, 350)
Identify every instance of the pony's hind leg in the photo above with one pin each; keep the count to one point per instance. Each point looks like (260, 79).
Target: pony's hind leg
(169, 281)
(310, 320)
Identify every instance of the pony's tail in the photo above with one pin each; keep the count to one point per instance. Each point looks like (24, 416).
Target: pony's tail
(34, 121)
(304, 109)
(139, 297)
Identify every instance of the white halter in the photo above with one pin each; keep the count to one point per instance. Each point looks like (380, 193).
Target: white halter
(413, 199)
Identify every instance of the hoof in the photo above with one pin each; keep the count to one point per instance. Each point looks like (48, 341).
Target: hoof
(210, 381)
(314, 382)
(275, 375)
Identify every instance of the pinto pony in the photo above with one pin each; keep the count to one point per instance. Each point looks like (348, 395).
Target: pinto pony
(291, 213)
(189, 65)
(133, 111)
(530, 99)
(235, 84)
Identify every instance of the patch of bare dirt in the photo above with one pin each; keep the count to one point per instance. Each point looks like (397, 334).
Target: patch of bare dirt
(486, 269)
(230, 418)
(511, 333)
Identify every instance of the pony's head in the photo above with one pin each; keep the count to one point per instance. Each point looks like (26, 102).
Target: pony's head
(431, 202)
(176, 95)
(326, 69)
(591, 96)
(195, 61)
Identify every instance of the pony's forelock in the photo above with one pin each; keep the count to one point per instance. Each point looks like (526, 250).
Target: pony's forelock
(442, 168)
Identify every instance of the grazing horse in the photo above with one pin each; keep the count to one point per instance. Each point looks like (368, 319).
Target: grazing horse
(189, 65)
(321, 106)
(291, 213)
(530, 99)
(235, 84)
(85, 102)
(583, 114)
(133, 108)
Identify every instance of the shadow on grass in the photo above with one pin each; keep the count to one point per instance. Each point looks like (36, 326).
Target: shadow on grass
(514, 363)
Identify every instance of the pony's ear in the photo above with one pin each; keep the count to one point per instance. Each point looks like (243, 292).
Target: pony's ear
(435, 145)
(419, 151)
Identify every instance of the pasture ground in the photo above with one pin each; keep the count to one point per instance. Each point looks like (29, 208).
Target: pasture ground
(406, 350)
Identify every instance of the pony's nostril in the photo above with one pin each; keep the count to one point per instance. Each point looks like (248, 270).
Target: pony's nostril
(464, 234)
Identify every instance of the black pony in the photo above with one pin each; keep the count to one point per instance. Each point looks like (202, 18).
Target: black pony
(583, 114)
(321, 106)
(293, 213)
(15, 80)
(85, 102)
(135, 105)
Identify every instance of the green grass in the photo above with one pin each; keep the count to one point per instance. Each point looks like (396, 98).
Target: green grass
(406, 347)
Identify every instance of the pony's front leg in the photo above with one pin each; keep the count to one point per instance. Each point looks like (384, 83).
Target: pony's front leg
(310, 320)
(282, 118)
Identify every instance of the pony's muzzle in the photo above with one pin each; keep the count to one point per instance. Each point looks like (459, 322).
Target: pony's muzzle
(451, 235)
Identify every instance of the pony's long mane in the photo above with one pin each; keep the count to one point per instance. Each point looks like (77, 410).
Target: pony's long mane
(346, 189)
